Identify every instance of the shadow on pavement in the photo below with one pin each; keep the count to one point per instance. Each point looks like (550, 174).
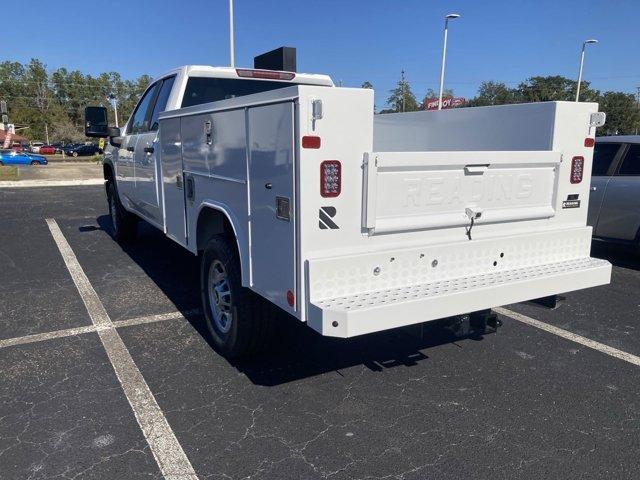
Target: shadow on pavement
(300, 352)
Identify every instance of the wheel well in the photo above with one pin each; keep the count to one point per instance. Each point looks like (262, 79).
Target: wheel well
(213, 222)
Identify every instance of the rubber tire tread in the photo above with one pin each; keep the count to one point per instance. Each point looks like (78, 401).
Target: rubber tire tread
(127, 221)
(252, 331)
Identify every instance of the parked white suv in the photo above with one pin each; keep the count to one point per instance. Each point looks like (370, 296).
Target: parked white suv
(35, 147)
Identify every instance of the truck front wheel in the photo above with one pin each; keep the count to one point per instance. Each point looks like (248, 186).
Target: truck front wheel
(124, 223)
(239, 321)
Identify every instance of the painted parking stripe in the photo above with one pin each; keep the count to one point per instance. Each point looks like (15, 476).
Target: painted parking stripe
(166, 449)
(72, 332)
(600, 347)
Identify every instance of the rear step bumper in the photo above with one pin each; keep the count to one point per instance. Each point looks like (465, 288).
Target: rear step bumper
(372, 311)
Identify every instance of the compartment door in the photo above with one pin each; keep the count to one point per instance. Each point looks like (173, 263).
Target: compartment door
(175, 225)
(271, 191)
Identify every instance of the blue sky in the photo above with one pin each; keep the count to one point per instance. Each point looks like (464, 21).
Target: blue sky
(351, 40)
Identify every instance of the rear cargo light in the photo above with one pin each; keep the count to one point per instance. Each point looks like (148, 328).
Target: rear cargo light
(330, 178)
(310, 141)
(266, 74)
(577, 169)
(589, 142)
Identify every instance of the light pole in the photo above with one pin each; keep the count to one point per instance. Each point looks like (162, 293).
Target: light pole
(584, 44)
(451, 16)
(232, 62)
(114, 104)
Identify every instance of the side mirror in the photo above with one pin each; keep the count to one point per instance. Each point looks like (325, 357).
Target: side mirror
(95, 122)
(114, 136)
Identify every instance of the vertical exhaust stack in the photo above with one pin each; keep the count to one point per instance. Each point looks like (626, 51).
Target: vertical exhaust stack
(283, 58)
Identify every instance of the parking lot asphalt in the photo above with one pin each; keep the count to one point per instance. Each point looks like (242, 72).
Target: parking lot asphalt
(518, 403)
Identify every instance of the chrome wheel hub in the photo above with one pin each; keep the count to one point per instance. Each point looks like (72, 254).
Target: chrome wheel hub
(219, 292)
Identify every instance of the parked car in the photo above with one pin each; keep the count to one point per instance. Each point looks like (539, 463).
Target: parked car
(81, 150)
(35, 147)
(47, 150)
(11, 157)
(614, 201)
(59, 146)
(17, 146)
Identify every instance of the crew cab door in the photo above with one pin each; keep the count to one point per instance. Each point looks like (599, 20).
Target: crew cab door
(620, 212)
(125, 163)
(604, 156)
(147, 150)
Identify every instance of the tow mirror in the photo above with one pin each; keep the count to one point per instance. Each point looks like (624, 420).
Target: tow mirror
(95, 122)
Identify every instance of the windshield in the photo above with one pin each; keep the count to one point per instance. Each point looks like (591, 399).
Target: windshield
(206, 89)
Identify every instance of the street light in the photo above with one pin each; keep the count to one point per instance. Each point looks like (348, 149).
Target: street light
(232, 61)
(584, 44)
(451, 16)
(114, 103)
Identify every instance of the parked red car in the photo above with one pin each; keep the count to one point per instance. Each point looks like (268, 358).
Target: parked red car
(47, 150)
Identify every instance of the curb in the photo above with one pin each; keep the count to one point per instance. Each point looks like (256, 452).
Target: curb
(50, 183)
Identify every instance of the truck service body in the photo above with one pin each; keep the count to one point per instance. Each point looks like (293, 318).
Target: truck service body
(349, 221)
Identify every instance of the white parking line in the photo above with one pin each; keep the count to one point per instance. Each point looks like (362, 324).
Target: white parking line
(71, 332)
(587, 342)
(164, 445)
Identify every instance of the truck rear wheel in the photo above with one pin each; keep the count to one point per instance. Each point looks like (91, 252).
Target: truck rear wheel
(124, 223)
(240, 322)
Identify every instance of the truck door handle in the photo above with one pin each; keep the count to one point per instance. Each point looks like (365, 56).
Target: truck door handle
(148, 149)
(268, 186)
(593, 189)
(130, 149)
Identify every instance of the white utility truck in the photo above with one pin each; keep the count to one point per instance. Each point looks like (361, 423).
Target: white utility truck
(293, 193)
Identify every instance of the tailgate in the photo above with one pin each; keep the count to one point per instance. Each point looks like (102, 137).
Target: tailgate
(406, 191)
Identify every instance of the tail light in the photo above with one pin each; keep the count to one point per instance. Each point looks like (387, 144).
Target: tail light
(330, 178)
(266, 74)
(589, 142)
(577, 169)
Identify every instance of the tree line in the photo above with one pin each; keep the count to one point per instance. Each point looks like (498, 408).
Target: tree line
(622, 109)
(54, 101)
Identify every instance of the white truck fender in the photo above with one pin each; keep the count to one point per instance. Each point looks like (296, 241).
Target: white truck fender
(240, 234)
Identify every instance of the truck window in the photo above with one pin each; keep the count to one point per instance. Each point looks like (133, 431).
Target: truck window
(139, 122)
(631, 163)
(161, 101)
(206, 89)
(603, 155)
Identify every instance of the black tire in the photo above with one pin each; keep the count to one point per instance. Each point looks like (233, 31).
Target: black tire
(74, 154)
(248, 326)
(124, 224)
(34, 162)
(1, 164)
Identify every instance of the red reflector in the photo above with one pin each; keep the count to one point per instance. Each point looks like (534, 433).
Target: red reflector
(589, 142)
(577, 169)
(310, 141)
(330, 178)
(266, 74)
(291, 299)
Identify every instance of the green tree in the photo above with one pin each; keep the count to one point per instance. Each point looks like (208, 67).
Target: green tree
(493, 93)
(401, 98)
(367, 84)
(553, 88)
(623, 117)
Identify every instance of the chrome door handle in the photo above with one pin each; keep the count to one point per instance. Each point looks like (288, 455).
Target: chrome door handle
(148, 149)
(130, 149)
(593, 189)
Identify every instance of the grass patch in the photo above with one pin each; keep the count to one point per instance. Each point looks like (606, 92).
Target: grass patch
(8, 173)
